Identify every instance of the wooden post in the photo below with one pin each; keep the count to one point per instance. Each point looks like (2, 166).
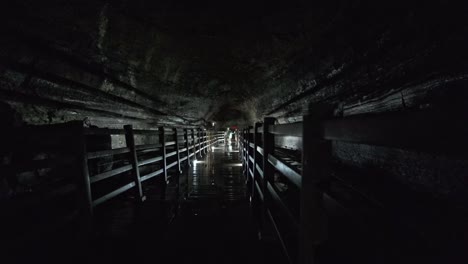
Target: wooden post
(186, 137)
(313, 225)
(130, 142)
(162, 141)
(85, 199)
(242, 151)
(176, 139)
(193, 145)
(179, 171)
(255, 157)
(199, 143)
(247, 153)
(268, 148)
(205, 141)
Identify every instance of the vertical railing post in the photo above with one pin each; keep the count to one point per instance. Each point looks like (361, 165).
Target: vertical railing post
(248, 153)
(202, 141)
(179, 170)
(205, 141)
(244, 150)
(85, 200)
(313, 226)
(162, 141)
(176, 139)
(186, 137)
(268, 148)
(255, 157)
(241, 149)
(199, 142)
(130, 142)
(193, 145)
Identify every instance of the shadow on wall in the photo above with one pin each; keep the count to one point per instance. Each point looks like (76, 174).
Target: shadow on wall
(10, 120)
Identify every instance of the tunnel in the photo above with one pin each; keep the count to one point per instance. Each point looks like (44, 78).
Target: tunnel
(289, 132)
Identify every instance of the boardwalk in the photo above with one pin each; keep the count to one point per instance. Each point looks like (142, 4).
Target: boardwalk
(213, 224)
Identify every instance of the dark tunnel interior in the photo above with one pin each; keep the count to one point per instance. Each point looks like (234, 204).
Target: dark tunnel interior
(177, 131)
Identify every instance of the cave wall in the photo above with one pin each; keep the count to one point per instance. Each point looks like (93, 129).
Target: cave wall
(146, 63)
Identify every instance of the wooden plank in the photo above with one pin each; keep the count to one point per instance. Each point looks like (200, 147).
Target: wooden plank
(150, 147)
(283, 206)
(171, 165)
(280, 237)
(284, 169)
(149, 161)
(103, 131)
(260, 150)
(113, 194)
(146, 132)
(170, 143)
(259, 190)
(289, 129)
(259, 170)
(446, 132)
(170, 154)
(151, 175)
(105, 153)
(108, 174)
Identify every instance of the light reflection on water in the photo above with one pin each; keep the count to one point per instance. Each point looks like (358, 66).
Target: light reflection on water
(219, 172)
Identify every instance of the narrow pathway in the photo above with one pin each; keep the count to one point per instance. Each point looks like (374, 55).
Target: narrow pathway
(214, 225)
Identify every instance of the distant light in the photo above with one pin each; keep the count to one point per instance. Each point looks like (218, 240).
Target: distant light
(213, 124)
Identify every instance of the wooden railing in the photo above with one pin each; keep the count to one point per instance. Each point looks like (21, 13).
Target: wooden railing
(171, 149)
(300, 155)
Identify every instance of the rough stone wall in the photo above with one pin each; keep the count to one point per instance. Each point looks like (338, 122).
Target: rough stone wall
(160, 62)
(144, 63)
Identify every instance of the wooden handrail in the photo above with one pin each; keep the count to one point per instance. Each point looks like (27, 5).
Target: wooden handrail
(189, 144)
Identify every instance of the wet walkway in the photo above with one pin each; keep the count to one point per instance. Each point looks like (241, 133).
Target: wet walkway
(214, 225)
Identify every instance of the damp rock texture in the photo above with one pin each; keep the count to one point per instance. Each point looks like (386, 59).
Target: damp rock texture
(198, 62)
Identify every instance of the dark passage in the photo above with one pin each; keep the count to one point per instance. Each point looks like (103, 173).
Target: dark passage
(213, 223)
(236, 131)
